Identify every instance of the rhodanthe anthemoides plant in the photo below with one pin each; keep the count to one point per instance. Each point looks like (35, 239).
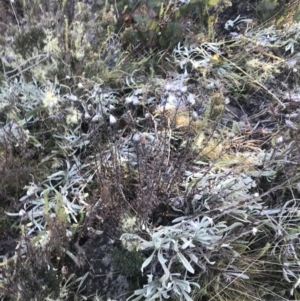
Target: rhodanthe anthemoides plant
(180, 250)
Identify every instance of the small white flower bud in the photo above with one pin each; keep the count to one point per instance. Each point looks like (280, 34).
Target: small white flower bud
(168, 87)
(210, 86)
(22, 212)
(197, 197)
(96, 118)
(69, 233)
(135, 101)
(136, 137)
(80, 85)
(191, 99)
(87, 116)
(183, 89)
(254, 230)
(112, 120)
(194, 116)
(279, 140)
(177, 202)
(128, 100)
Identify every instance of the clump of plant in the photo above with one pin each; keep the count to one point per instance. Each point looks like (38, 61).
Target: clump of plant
(179, 250)
(47, 214)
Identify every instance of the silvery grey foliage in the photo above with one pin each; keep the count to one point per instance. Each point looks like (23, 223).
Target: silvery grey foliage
(232, 24)
(270, 36)
(63, 190)
(185, 242)
(199, 56)
(13, 133)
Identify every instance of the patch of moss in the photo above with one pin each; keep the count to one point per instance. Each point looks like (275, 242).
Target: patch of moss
(26, 42)
(127, 262)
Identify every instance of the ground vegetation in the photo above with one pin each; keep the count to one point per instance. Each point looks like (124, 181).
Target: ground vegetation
(149, 150)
